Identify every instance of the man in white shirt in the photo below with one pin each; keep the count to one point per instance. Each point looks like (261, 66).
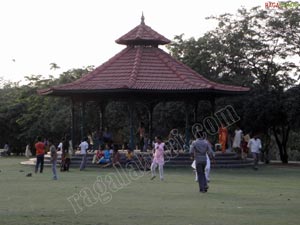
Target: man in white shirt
(254, 145)
(83, 151)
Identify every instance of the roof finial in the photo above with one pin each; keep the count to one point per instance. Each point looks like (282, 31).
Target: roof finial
(143, 19)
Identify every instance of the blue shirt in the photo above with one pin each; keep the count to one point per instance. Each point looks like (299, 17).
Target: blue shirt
(106, 154)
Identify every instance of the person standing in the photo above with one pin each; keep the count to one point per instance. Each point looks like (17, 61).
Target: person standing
(158, 159)
(90, 140)
(53, 153)
(223, 133)
(28, 151)
(83, 151)
(237, 142)
(66, 153)
(198, 149)
(255, 146)
(7, 149)
(40, 152)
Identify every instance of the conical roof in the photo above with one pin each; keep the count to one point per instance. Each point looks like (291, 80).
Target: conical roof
(142, 35)
(142, 67)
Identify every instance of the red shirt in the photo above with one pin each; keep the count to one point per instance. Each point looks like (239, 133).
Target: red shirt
(40, 148)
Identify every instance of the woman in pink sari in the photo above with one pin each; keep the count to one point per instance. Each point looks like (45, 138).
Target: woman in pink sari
(158, 159)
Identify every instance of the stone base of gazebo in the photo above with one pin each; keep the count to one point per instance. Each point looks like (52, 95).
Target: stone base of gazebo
(181, 159)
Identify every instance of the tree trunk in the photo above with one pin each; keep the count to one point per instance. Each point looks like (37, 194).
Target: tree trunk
(266, 147)
(281, 138)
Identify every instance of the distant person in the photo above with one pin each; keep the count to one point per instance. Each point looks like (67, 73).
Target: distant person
(66, 153)
(90, 140)
(146, 143)
(116, 157)
(60, 145)
(106, 159)
(158, 158)
(244, 145)
(53, 154)
(223, 133)
(7, 149)
(237, 142)
(60, 148)
(63, 147)
(129, 156)
(40, 152)
(98, 154)
(255, 146)
(28, 151)
(199, 150)
(83, 151)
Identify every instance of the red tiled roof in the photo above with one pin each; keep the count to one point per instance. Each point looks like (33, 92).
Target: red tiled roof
(142, 66)
(142, 34)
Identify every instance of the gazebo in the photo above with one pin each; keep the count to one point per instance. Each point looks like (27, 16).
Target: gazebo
(142, 72)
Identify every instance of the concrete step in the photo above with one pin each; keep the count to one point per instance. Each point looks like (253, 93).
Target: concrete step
(182, 159)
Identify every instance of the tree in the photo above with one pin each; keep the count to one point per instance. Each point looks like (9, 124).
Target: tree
(24, 114)
(265, 112)
(254, 48)
(250, 48)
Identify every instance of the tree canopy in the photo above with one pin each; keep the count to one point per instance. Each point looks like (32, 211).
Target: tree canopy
(252, 48)
(258, 48)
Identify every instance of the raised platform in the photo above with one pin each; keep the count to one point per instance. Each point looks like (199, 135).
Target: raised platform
(181, 159)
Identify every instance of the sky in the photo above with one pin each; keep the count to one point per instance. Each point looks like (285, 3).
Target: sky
(79, 33)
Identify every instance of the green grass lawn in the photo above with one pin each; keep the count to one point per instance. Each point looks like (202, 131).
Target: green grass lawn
(270, 195)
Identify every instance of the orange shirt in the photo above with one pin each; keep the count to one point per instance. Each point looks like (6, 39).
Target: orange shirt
(40, 148)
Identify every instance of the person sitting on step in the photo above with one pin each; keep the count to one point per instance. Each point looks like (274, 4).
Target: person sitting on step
(106, 159)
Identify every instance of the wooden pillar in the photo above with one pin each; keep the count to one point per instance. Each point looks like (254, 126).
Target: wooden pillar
(150, 107)
(195, 111)
(82, 122)
(131, 128)
(73, 121)
(102, 107)
(187, 125)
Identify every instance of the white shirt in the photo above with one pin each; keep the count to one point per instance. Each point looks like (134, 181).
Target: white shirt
(254, 145)
(237, 139)
(83, 147)
(60, 146)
